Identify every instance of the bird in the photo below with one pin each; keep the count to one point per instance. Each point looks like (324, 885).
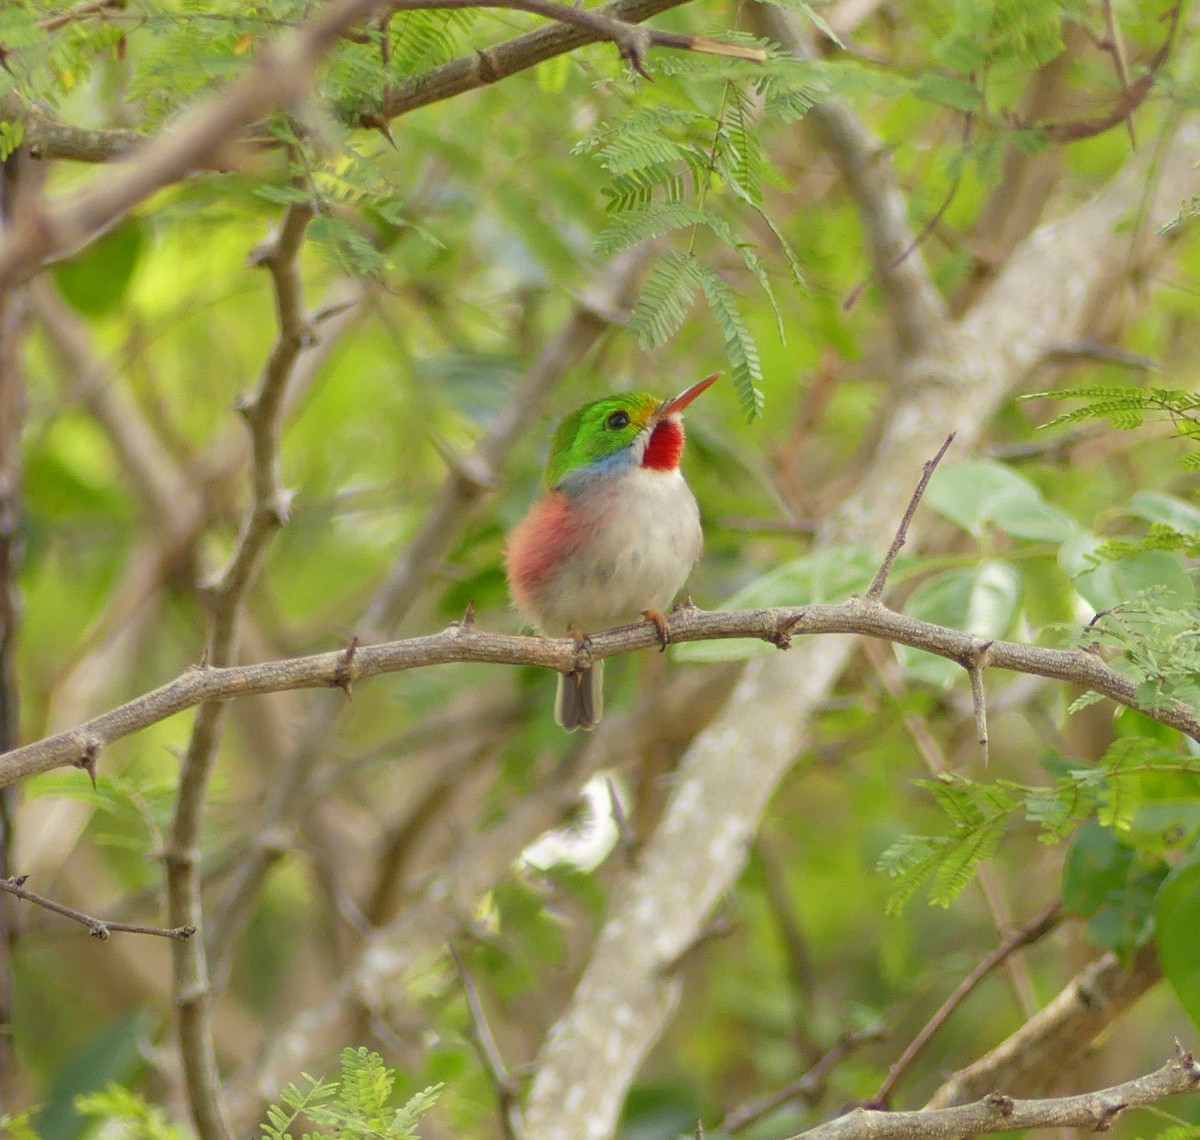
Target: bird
(614, 535)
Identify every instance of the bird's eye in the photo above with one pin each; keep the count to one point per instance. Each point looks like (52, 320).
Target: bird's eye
(617, 421)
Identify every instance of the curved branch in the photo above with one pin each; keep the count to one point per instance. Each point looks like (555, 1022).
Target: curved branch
(283, 73)
(1095, 1111)
(462, 642)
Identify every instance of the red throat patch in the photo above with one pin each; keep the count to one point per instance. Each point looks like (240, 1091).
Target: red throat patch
(665, 446)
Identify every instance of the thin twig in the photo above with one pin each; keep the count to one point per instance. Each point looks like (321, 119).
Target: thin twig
(79, 12)
(875, 591)
(975, 667)
(807, 1087)
(995, 1112)
(632, 40)
(502, 1081)
(266, 513)
(468, 485)
(1045, 922)
(97, 927)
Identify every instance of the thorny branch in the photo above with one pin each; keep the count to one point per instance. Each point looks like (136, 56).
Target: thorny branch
(1045, 922)
(996, 1112)
(266, 513)
(502, 1081)
(98, 927)
(467, 485)
(283, 73)
(457, 644)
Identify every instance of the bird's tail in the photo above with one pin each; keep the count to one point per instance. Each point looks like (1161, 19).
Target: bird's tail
(580, 702)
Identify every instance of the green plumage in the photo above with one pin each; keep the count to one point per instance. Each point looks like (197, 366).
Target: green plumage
(588, 435)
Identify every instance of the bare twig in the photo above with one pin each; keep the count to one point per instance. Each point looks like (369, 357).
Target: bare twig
(283, 72)
(996, 1112)
(807, 1087)
(502, 1081)
(79, 12)
(266, 513)
(875, 590)
(1031, 1059)
(1045, 922)
(632, 40)
(97, 927)
(468, 485)
(975, 666)
(1115, 45)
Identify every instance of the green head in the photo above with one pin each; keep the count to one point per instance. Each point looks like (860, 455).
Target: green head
(597, 431)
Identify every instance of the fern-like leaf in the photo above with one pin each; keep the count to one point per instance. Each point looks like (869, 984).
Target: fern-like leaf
(665, 300)
(740, 349)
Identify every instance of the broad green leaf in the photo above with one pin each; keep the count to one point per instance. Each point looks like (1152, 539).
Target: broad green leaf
(1104, 881)
(1177, 933)
(1096, 868)
(1155, 507)
(983, 493)
(949, 91)
(1154, 576)
(95, 282)
(982, 601)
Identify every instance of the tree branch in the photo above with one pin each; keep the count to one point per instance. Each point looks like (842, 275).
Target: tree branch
(266, 513)
(1045, 922)
(97, 927)
(1030, 1059)
(467, 486)
(1095, 1111)
(283, 73)
(632, 40)
(462, 643)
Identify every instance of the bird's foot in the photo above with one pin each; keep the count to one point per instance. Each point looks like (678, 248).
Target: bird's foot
(583, 648)
(660, 623)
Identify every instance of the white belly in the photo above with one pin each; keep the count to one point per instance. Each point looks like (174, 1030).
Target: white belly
(641, 555)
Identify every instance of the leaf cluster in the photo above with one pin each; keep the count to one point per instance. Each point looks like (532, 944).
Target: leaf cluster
(1136, 775)
(356, 1105)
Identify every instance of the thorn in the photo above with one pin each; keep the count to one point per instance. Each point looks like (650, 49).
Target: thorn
(1000, 1102)
(467, 621)
(660, 623)
(343, 674)
(87, 761)
(21, 880)
(781, 636)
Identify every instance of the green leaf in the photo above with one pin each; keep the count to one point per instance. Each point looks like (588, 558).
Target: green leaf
(1106, 585)
(949, 91)
(982, 601)
(97, 281)
(1177, 921)
(1155, 507)
(983, 493)
(665, 300)
(740, 349)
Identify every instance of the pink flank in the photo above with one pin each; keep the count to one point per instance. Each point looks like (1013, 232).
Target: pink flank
(665, 446)
(538, 546)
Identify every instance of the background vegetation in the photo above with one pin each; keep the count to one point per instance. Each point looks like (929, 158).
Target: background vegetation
(370, 256)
